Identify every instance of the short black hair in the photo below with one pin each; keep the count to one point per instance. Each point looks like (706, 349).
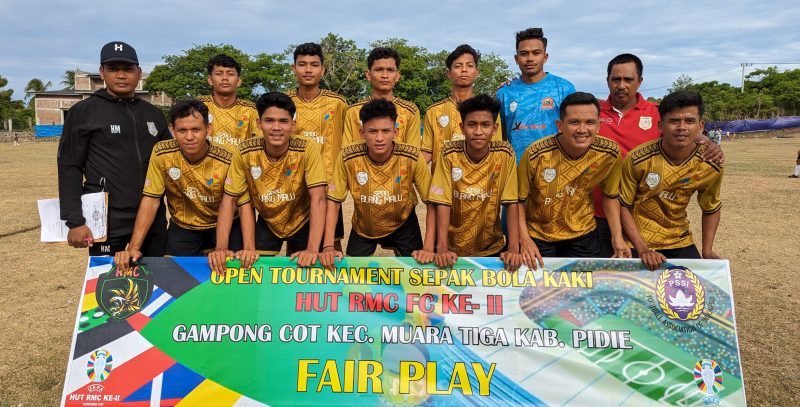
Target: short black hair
(459, 51)
(186, 108)
(532, 34)
(382, 53)
(679, 100)
(479, 103)
(624, 59)
(577, 98)
(275, 99)
(376, 109)
(224, 61)
(309, 48)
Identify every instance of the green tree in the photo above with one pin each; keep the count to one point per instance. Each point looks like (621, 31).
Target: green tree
(415, 73)
(345, 64)
(684, 82)
(68, 79)
(13, 109)
(493, 71)
(184, 76)
(36, 85)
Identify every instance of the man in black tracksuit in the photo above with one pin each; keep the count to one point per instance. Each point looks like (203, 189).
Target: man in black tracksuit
(105, 146)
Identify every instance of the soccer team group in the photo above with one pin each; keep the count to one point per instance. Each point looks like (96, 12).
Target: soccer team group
(537, 170)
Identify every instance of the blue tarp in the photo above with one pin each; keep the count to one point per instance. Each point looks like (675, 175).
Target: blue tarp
(51, 130)
(741, 126)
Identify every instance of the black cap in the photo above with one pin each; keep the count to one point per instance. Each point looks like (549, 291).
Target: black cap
(118, 51)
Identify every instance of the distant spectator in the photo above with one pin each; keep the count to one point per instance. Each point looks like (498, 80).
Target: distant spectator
(796, 167)
(16, 139)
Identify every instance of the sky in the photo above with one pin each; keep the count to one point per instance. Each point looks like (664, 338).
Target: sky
(705, 40)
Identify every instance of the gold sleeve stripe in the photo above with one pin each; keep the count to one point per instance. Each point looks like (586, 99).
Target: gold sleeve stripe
(298, 144)
(407, 105)
(245, 202)
(166, 146)
(507, 202)
(251, 144)
(499, 145)
(234, 195)
(330, 94)
(220, 154)
(715, 210)
(318, 184)
(717, 167)
(154, 195)
(539, 151)
(438, 202)
(204, 98)
(612, 152)
(406, 149)
(245, 103)
(451, 147)
(336, 200)
(441, 102)
(611, 196)
(354, 150)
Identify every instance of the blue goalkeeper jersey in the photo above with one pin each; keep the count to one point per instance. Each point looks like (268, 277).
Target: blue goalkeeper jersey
(529, 111)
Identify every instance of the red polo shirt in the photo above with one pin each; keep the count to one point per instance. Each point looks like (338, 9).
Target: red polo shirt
(636, 126)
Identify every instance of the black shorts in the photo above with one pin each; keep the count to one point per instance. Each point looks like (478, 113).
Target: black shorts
(688, 252)
(403, 241)
(339, 234)
(584, 246)
(190, 242)
(269, 244)
(604, 236)
(120, 229)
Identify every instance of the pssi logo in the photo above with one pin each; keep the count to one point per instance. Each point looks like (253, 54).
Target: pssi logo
(121, 294)
(680, 294)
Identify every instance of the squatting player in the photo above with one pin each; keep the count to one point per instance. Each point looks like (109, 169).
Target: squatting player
(380, 174)
(282, 175)
(383, 72)
(530, 103)
(472, 180)
(191, 173)
(556, 177)
(630, 120)
(320, 112)
(442, 119)
(658, 180)
(234, 119)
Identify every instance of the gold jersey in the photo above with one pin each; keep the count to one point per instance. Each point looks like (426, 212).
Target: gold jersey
(322, 120)
(231, 125)
(443, 124)
(383, 195)
(475, 192)
(193, 190)
(278, 189)
(657, 191)
(557, 190)
(407, 124)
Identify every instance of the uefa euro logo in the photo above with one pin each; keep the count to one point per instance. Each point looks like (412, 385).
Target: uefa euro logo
(99, 365)
(680, 294)
(708, 377)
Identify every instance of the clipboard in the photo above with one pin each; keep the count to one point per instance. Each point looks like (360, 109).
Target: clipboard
(95, 211)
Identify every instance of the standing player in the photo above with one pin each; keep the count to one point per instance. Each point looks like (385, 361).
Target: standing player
(191, 173)
(658, 181)
(380, 174)
(442, 119)
(556, 177)
(105, 146)
(320, 112)
(383, 72)
(233, 119)
(796, 173)
(530, 103)
(282, 175)
(472, 180)
(630, 120)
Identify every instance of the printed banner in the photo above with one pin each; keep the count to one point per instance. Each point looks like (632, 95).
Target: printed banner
(388, 331)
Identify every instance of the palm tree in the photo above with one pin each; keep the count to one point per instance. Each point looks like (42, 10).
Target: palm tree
(68, 79)
(36, 85)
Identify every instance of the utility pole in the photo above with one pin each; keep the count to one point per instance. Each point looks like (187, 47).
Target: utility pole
(744, 64)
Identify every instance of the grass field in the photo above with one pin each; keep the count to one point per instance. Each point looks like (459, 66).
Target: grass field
(40, 284)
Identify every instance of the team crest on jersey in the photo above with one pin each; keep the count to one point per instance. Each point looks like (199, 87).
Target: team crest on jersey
(400, 123)
(549, 174)
(548, 104)
(457, 173)
(99, 366)
(362, 177)
(708, 378)
(122, 293)
(444, 120)
(645, 122)
(255, 171)
(151, 127)
(174, 173)
(513, 106)
(652, 180)
(210, 118)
